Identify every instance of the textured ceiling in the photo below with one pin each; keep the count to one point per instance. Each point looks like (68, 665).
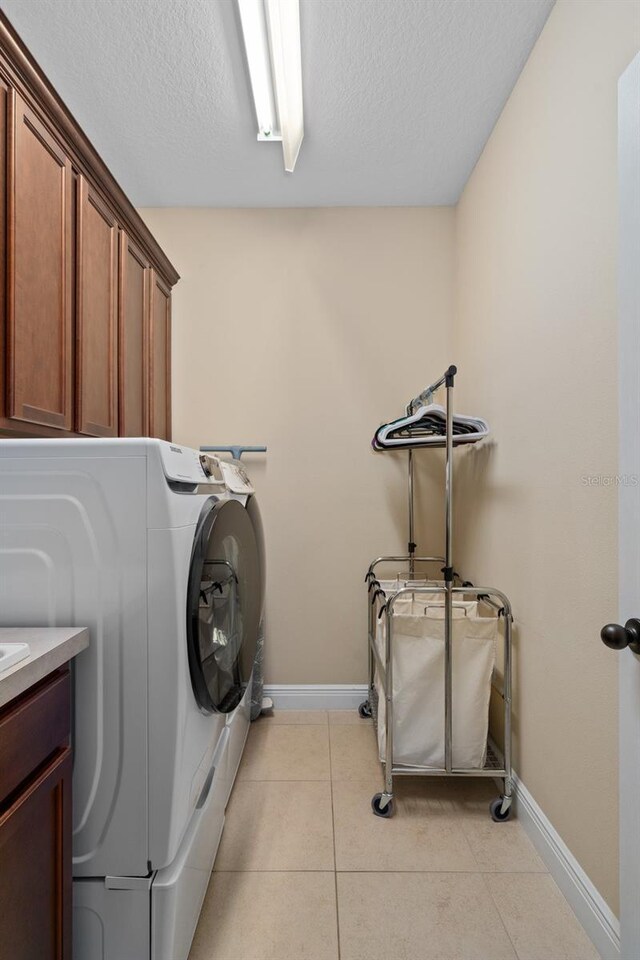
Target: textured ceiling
(400, 95)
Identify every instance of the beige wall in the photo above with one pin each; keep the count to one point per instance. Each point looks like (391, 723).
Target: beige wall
(535, 339)
(304, 330)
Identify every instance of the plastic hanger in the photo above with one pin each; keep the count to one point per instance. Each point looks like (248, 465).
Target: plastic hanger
(427, 427)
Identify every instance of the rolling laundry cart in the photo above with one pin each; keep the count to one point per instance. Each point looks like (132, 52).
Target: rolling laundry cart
(389, 602)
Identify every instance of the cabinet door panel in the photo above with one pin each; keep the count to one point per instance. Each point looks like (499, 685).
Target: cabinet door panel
(32, 729)
(133, 324)
(97, 299)
(4, 91)
(160, 359)
(35, 879)
(39, 263)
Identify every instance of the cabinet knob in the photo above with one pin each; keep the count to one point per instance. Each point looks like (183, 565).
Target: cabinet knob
(617, 637)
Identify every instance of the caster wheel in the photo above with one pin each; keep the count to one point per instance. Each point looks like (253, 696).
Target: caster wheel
(379, 811)
(364, 710)
(495, 809)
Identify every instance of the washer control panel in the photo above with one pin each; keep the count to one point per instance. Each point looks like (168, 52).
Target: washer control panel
(185, 465)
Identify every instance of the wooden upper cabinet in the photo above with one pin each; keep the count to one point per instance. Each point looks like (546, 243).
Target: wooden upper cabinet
(4, 93)
(39, 272)
(133, 322)
(160, 359)
(96, 314)
(85, 289)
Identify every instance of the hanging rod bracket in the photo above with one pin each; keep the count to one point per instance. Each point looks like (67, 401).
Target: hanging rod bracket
(427, 394)
(236, 450)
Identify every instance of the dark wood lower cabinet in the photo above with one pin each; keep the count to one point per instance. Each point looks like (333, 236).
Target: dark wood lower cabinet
(35, 871)
(36, 825)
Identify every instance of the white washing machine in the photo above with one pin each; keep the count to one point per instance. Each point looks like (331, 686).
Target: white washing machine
(160, 554)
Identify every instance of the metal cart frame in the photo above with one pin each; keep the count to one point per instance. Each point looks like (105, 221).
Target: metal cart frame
(382, 604)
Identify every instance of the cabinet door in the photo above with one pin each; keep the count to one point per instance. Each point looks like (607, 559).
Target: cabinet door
(35, 879)
(160, 359)
(96, 314)
(4, 92)
(133, 363)
(39, 280)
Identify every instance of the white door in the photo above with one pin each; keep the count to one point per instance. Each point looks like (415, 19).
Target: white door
(629, 502)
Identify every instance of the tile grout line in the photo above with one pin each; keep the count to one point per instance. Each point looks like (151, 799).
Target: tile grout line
(497, 909)
(459, 873)
(426, 873)
(458, 818)
(307, 872)
(281, 780)
(333, 832)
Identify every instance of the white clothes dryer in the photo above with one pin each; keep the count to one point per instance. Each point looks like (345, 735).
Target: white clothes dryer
(147, 544)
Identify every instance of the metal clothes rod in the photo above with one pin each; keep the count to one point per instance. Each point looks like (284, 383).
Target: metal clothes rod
(448, 579)
(236, 450)
(446, 379)
(412, 544)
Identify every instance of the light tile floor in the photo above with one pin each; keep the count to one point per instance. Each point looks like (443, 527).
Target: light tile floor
(306, 872)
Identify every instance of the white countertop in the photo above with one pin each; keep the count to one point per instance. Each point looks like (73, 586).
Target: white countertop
(49, 648)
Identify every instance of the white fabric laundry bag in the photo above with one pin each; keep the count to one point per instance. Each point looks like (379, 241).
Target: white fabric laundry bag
(423, 604)
(392, 586)
(418, 686)
(419, 605)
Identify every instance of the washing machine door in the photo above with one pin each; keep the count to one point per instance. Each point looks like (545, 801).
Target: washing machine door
(254, 514)
(223, 605)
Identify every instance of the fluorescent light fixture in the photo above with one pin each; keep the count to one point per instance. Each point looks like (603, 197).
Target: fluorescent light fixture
(271, 30)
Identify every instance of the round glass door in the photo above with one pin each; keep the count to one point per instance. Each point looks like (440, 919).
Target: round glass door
(224, 600)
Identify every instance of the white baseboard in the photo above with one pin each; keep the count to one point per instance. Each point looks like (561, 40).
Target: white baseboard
(316, 696)
(593, 912)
